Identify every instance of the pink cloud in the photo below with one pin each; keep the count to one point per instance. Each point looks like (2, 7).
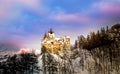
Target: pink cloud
(71, 17)
(30, 3)
(8, 7)
(34, 4)
(108, 7)
(100, 12)
(12, 42)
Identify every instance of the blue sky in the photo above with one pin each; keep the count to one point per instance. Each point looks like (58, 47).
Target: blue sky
(24, 22)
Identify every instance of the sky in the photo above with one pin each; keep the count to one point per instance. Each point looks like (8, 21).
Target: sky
(24, 22)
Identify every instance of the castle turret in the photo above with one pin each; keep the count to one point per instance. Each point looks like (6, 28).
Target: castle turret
(51, 34)
(45, 36)
(51, 31)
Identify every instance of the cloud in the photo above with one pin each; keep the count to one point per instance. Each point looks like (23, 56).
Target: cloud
(36, 6)
(31, 3)
(14, 9)
(71, 17)
(99, 12)
(105, 11)
(11, 40)
(107, 7)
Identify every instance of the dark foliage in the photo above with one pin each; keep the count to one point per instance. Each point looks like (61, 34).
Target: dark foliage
(18, 64)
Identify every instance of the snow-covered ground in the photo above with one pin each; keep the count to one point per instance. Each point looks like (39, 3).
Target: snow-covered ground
(81, 64)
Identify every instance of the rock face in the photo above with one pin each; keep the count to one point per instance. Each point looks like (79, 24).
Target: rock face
(54, 44)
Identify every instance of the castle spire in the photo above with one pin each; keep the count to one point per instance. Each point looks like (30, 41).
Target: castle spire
(45, 35)
(51, 31)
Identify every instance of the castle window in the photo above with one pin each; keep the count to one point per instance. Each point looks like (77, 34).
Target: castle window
(51, 42)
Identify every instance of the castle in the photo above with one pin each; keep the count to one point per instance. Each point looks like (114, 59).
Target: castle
(54, 44)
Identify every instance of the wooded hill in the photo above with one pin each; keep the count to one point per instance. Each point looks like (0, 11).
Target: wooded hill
(104, 45)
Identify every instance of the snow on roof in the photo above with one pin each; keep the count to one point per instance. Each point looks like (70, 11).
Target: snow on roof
(57, 38)
(67, 36)
(48, 41)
